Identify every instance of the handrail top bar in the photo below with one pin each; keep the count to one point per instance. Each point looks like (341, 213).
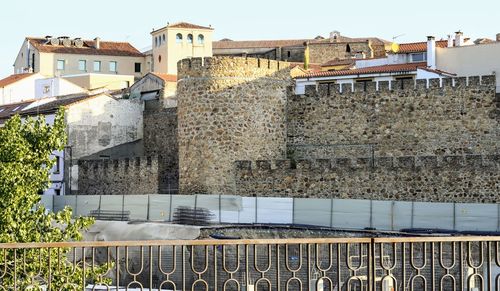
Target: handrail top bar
(214, 242)
(436, 239)
(205, 242)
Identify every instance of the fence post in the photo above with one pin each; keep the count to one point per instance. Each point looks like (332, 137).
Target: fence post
(256, 208)
(293, 210)
(170, 209)
(412, 209)
(147, 211)
(220, 210)
(393, 204)
(331, 212)
(123, 204)
(454, 216)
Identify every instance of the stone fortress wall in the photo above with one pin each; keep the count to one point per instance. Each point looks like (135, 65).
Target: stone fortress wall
(228, 109)
(423, 141)
(240, 129)
(111, 177)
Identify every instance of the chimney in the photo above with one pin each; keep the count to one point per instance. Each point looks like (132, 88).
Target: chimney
(459, 38)
(97, 42)
(431, 52)
(498, 36)
(450, 41)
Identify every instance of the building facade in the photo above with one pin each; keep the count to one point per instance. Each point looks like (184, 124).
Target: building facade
(61, 56)
(177, 41)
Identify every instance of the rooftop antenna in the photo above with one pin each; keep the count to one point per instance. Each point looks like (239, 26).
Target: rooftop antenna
(394, 37)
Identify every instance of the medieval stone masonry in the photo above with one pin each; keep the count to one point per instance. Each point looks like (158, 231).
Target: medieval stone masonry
(240, 129)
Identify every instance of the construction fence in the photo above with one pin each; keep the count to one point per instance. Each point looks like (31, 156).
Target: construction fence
(338, 213)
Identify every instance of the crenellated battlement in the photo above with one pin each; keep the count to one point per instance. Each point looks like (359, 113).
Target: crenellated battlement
(231, 67)
(388, 163)
(464, 178)
(113, 167)
(487, 82)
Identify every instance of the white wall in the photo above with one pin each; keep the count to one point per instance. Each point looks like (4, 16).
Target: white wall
(51, 87)
(19, 91)
(474, 60)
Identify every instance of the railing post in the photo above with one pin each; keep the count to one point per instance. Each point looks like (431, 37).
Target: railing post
(371, 266)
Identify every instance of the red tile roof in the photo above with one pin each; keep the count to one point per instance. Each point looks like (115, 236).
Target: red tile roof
(337, 62)
(398, 68)
(416, 47)
(345, 39)
(231, 44)
(13, 78)
(188, 25)
(107, 48)
(166, 77)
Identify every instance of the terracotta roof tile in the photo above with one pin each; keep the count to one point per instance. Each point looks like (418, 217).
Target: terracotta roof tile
(107, 48)
(369, 70)
(337, 62)
(61, 101)
(188, 25)
(166, 77)
(231, 44)
(416, 47)
(345, 39)
(13, 78)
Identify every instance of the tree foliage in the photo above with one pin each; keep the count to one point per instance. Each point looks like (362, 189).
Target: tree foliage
(25, 162)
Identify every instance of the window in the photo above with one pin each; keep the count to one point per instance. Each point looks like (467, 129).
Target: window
(113, 66)
(201, 39)
(60, 65)
(156, 41)
(97, 66)
(137, 67)
(190, 38)
(163, 38)
(289, 54)
(347, 48)
(159, 59)
(57, 166)
(82, 65)
(178, 38)
(15, 109)
(419, 57)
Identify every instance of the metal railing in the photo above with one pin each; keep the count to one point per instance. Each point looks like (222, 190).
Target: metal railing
(422, 263)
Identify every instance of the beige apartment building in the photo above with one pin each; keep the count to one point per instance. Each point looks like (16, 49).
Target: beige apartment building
(63, 56)
(178, 41)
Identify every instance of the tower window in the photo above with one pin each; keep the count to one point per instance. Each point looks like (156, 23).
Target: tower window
(178, 38)
(190, 38)
(201, 39)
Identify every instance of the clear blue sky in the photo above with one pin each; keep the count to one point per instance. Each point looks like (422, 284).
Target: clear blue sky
(124, 20)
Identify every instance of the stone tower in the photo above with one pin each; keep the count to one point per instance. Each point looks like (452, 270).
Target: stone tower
(228, 109)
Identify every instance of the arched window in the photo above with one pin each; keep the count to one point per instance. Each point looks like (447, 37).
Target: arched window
(163, 38)
(190, 38)
(156, 41)
(201, 39)
(178, 38)
(347, 48)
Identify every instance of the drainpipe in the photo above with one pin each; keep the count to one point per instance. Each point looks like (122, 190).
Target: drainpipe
(306, 56)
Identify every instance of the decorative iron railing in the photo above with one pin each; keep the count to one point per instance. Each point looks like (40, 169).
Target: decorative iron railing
(421, 263)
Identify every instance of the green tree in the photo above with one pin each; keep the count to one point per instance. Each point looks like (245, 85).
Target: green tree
(25, 162)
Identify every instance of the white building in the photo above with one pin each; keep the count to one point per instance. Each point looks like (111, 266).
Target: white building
(93, 123)
(18, 88)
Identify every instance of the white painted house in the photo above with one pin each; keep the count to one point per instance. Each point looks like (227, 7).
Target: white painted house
(94, 122)
(18, 88)
(25, 87)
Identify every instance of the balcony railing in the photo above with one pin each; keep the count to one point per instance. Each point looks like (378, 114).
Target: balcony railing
(421, 263)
